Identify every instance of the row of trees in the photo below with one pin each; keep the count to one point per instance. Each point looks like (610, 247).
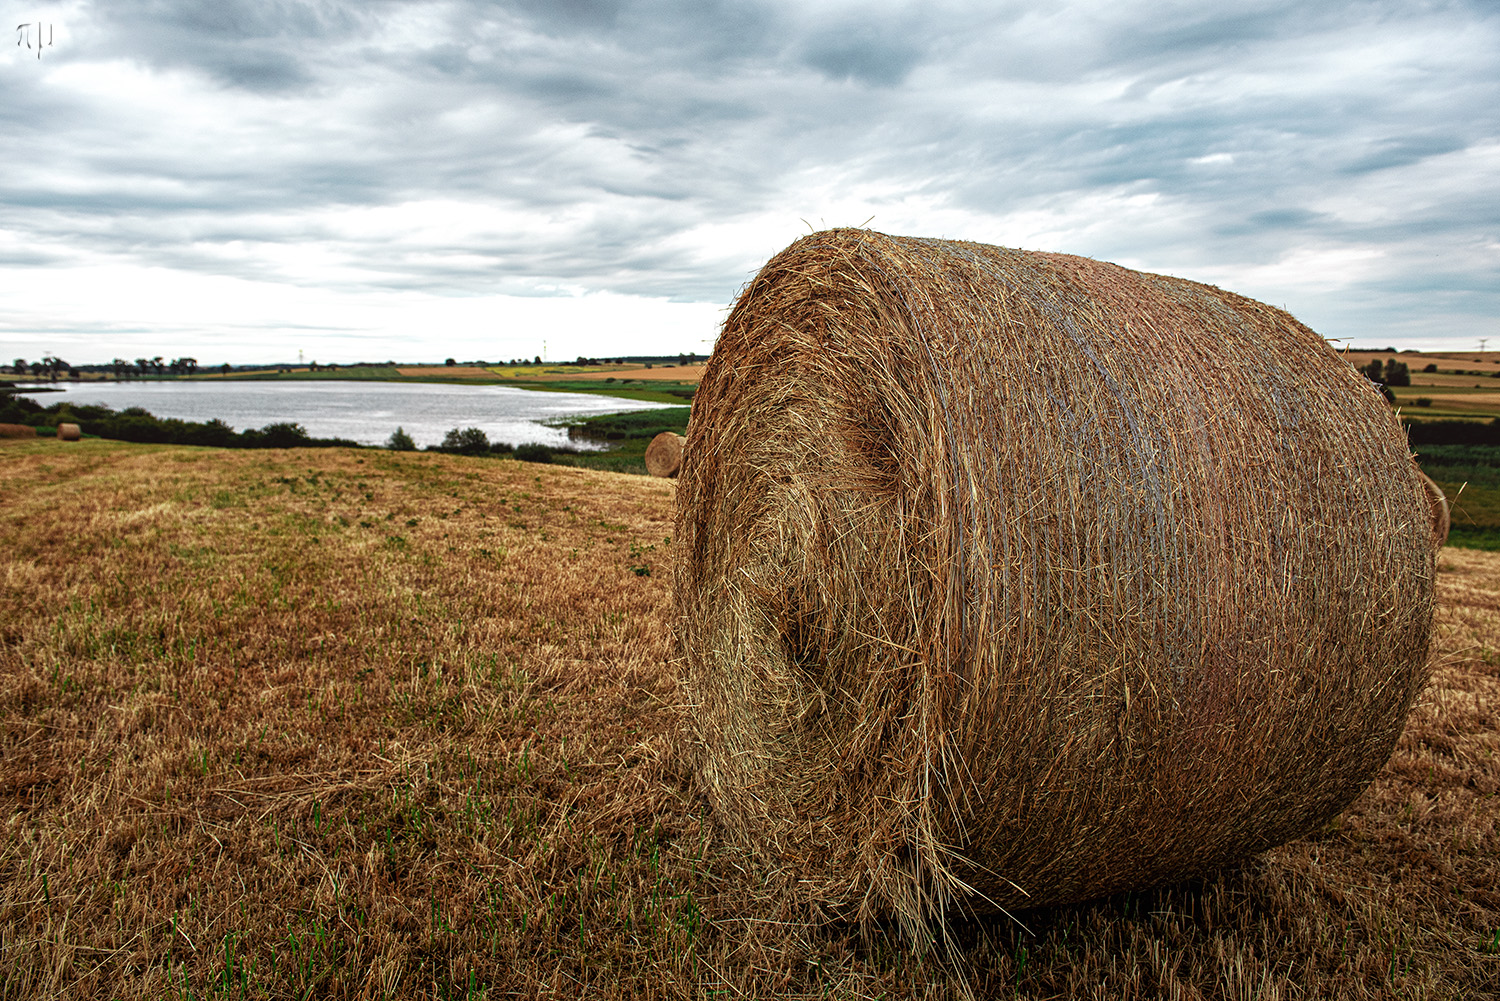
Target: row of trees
(1391, 373)
(124, 369)
(53, 367)
(50, 367)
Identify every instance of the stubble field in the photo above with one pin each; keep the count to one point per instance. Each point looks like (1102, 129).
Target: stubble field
(299, 724)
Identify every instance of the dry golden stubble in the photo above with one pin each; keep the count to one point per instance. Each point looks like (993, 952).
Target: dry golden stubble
(231, 754)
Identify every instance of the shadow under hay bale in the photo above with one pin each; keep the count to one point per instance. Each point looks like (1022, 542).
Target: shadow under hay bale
(69, 432)
(17, 431)
(664, 454)
(1010, 578)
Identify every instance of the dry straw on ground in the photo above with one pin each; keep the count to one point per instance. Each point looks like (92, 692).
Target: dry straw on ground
(17, 431)
(325, 723)
(1011, 578)
(664, 454)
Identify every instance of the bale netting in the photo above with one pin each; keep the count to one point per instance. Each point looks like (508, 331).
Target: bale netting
(69, 432)
(1011, 578)
(664, 454)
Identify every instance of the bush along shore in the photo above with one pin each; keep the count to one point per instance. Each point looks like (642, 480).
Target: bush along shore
(137, 425)
(624, 436)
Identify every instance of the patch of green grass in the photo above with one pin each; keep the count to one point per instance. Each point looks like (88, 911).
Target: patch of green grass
(1474, 505)
(654, 391)
(1469, 537)
(649, 392)
(646, 424)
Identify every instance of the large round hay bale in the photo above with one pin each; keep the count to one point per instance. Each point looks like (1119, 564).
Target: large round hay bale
(664, 454)
(1437, 510)
(1011, 578)
(69, 432)
(17, 431)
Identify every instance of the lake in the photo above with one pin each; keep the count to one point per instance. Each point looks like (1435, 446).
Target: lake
(366, 412)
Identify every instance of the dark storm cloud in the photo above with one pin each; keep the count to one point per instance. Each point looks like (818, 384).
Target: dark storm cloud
(601, 144)
(1399, 152)
(265, 46)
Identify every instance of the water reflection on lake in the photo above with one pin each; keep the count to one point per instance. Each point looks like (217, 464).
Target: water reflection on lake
(366, 412)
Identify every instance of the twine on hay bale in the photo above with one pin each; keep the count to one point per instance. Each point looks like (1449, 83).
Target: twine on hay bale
(664, 454)
(69, 432)
(17, 431)
(1437, 509)
(1009, 578)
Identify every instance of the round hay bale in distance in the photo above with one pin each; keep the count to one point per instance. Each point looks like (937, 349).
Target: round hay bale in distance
(17, 431)
(1010, 578)
(664, 454)
(1437, 508)
(69, 432)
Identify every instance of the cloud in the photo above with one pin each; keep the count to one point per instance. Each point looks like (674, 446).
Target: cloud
(663, 149)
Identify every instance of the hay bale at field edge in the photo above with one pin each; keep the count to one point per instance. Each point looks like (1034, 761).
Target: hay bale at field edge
(17, 431)
(69, 432)
(664, 454)
(1001, 582)
(1438, 514)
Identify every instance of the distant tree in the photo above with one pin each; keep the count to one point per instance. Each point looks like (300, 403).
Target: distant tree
(143, 365)
(158, 364)
(400, 441)
(1375, 371)
(224, 368)
(532, 452)
(469, 441)
(538, 360)
(20, 367)
(1430, 367)
(1397, 374)
(449, 362)
(37, 368)
(283, 434)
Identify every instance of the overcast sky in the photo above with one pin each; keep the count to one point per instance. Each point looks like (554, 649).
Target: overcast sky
(239, 180)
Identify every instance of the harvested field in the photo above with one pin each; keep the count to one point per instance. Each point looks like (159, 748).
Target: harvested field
(346, 724)
(448, 371)
(657, 373)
